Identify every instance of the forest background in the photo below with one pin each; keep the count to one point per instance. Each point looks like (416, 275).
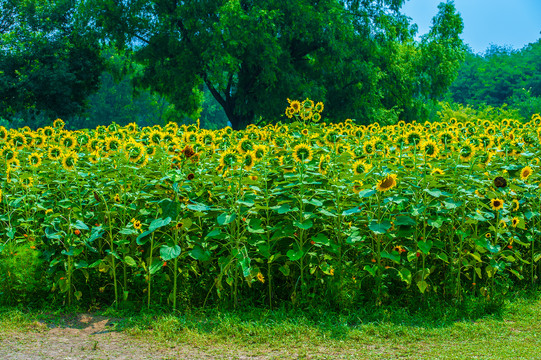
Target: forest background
(94, 62)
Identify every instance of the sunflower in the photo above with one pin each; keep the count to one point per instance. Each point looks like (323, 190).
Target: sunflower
(515, 222)
(357, 186)
(245, 145)
(69, 160)
(437, 171)
(94, 157)
(260, 277)
(525, 173)
(323, 164)
(134, 151)
(9, 154)
(332, 137)
(430, 148)
(228, 159)
(500, 182)
(260, 151)
(302, 153)
(34, 160)
(360, 167)
(516, 205)
(27, 182)
(387, 183)
(316, 117)
(466, 151)
(112, 144)
(496, 204)
(59, 124)
(295, 106)
(3, 133)
(18, 140)
(319, 107)
(137, 224)
(248, 160)
(155, 137)
(413, 137)
(69, 141)
(369, 148)
(117, 198)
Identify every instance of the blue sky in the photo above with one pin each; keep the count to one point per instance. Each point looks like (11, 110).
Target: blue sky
(514, 23)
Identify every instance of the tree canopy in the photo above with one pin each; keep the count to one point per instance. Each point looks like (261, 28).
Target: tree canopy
(49, 60)
(359, 57)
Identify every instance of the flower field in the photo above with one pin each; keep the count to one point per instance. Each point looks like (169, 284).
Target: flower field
(297, 213)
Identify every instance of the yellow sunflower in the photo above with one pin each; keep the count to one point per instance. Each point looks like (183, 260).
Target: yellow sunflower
(302, 153)
(248, 160)
(525, 173)
(69, 160)
(323, 164)
(515, 222)
(360, 167)
(34, 160)
(387, 183)
(228, 159)
(496, 204)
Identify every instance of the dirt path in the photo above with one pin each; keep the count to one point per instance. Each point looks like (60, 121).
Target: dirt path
(92, 337)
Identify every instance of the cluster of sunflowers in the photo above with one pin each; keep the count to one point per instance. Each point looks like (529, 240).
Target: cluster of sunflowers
(395, 199)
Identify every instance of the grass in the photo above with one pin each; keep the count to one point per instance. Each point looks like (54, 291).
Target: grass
(472, 330)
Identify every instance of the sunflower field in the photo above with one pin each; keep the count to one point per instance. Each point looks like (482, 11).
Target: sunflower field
(294, 213)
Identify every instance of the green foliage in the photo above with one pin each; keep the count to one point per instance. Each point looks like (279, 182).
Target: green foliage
(359, 57)
(447, 111)
(501, 76)
(49, 59)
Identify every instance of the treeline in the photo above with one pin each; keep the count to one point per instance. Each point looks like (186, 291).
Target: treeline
(94, 62)
(501, 76)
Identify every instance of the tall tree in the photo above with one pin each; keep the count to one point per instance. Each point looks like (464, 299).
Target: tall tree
(252, 55)
(49, 60)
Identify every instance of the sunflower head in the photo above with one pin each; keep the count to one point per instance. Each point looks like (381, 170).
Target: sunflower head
(525, 173)
(34, 160)
(69, 160)
(496, 204)
(302, 153)
(248, 160)
(387, 183)
(515, 222)
(228, 159)
(360, 167)
(500, 182)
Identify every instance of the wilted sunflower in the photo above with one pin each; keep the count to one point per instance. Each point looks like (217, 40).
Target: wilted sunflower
(360, 167)
(69, 160)
(387, 183)
(525, 173)
(500, 182)
(302, 153)
(34, 160)
(496, 204)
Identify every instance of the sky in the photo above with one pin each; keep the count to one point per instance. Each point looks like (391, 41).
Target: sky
(513, 23)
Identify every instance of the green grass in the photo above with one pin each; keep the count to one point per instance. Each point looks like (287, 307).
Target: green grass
(435, 331)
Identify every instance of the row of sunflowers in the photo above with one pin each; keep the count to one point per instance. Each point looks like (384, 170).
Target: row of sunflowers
(297, 213)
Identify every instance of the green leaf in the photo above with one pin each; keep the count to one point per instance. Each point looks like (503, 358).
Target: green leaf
(366, 193)
(169, 252)
(294, 255)
(434, 192)
(380, 228)
(198, 253)
(321, 239)
(351, 211)
(422, 285)
(284, 270)
(371, 269)
(156, 265)
(225, 218)
(404, 220)
(305, 225)
(130, 261)
(283, 209)
(254, 226)
(405, 275)
(425, 246)
(80, 225)
(394, 256)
